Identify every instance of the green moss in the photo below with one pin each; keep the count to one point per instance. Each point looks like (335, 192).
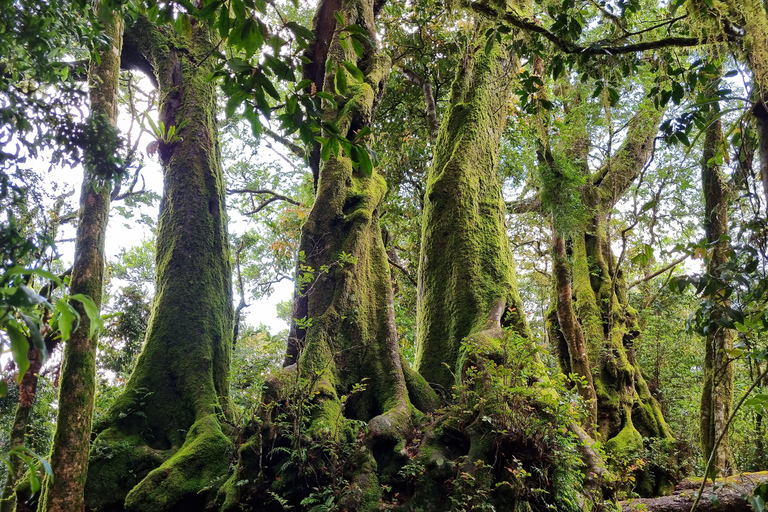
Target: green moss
(117, 463)
(180, 379)
(627, 444)
(466, 266)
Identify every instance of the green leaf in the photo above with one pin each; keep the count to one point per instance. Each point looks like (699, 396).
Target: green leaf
(67, 317)
(186, 26)
(363, 159)
(362, 132)
(92, 311)
(356, 73)
(281, 69)
(340, 81)
(19, 349)
(339, 17)
(35, 335)
(223, 25)
(357, 46)
(3, 388)
(300, 31)
(238, 65)
(26, 297)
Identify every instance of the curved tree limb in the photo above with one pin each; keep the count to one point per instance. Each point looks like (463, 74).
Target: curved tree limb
(658, 272)
(603, 47)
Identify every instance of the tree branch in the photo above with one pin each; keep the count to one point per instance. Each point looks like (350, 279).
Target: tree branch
(265, 203)
(597, 47)
(657, 273)
(532, 204)
(295, 148)
(404, 271)
(429, 99)
(618, 173)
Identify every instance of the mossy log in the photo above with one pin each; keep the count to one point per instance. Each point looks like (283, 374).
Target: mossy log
(726, 495)
(161, 445)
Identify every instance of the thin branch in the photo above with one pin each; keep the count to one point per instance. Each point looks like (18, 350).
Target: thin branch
(265, 203)
(404, 271)
(295, 148)
(657, 273)
(598, 47)
(429, 99)
(532, 204)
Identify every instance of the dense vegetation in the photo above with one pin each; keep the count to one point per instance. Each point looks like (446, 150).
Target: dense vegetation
(527, 239)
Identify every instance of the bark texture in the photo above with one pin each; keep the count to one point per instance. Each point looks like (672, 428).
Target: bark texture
(717, 390)
(162, 444)
(69, 456)
(467, 280)
(343, 328)
(19, 428)
(626, 410)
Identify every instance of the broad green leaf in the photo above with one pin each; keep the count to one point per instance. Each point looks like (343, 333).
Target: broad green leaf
(239, 65)
(19, 349)
(26, 297)
(340, 81)
(223, 23)
(67, 317)
(35, 335)
(92, 311)
(356, 73)
(300, 31)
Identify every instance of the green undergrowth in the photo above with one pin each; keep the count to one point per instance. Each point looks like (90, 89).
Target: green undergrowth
(504, 442)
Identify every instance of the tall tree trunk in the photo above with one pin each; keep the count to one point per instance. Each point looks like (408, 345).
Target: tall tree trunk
(19, 428)
(162, 444)
(570, 330)
(626, 410)
(717, 391)
(343, 330)
(467, 281)
(71, 441)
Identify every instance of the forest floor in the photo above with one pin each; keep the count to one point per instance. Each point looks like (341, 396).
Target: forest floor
(726, 495)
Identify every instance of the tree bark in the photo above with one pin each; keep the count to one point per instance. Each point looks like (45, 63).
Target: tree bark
(717, 390)
(71, 441)
(626, 410)
(162, 444)
(467, 281)
(343, 331)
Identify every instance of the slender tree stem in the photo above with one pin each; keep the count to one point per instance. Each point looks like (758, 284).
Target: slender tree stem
(756, 382)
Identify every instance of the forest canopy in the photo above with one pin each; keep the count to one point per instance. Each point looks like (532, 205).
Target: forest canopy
(527, 244)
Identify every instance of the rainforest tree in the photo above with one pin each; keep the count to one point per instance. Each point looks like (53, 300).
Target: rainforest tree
(164, 429)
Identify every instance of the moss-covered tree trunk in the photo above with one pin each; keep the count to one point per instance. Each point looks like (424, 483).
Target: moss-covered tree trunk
(347, 294)
(162, 444)
(467, 281)
(626, 410)
(717, 391)
(69, 456)
(19, 427)
(343, 331)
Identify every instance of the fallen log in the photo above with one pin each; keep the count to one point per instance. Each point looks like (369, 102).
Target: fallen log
(729, 494)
